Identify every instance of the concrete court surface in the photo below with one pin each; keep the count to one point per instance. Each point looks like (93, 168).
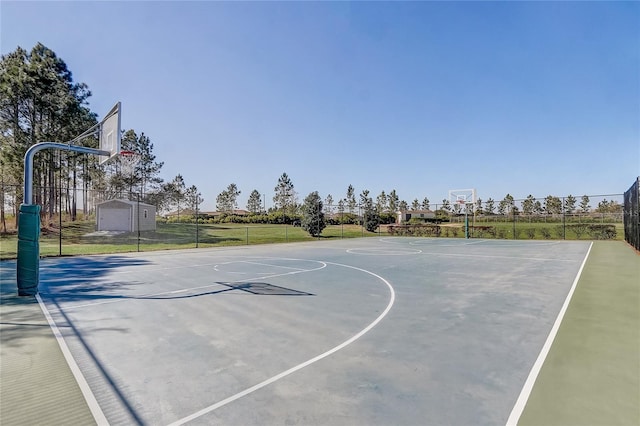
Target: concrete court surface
(366, 331)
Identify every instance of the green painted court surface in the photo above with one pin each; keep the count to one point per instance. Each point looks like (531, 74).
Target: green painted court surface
(592, 373)
(366, 331)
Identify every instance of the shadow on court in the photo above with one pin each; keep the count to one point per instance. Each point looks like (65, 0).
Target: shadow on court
(265, 289)
(255, 288)
(83, 270)
(29, 348)
(35, 378)
(76, 279)
(91, 279)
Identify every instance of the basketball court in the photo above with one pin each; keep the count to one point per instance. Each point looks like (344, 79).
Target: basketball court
(366, 331)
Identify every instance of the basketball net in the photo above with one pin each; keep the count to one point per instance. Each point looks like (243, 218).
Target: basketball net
(128, 162)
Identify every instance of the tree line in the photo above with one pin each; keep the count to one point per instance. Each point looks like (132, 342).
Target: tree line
(314, 213)
(40, 102)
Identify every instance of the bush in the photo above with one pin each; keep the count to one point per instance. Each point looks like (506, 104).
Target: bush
(418, 230)
(481, 231)
(371, 220)
(387, 218)
(531, 233)
(546, 233)
(578, 229)
(560, 231)
(602, 232)
(346, 219)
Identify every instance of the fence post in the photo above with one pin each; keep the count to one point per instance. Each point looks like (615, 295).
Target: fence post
(564, 222)
(60, 221)
(138, 221)
(197, 228)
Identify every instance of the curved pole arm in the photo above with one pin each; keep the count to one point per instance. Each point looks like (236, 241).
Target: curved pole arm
(28, 162)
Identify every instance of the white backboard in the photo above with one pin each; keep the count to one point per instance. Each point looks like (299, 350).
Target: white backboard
(462, 196)
(110, 133)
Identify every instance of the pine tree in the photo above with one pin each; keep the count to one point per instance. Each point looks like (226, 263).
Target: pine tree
(285, 196)
(39, 102)
(425, 204)
(351, 199)
(254, 203)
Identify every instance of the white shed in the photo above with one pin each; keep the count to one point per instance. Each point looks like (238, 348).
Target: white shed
(125, 215)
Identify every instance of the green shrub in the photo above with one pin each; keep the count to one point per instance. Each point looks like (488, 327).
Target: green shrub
(578, 229)
(560, 229)
(602, 232)
(387, 218)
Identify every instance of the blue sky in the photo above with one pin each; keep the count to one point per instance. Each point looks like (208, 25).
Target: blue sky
(422, 97)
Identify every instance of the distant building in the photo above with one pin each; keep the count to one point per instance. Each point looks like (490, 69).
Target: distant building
(125, 215)
(406, 215)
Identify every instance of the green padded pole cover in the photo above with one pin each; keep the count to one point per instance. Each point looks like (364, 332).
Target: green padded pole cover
(28, 267)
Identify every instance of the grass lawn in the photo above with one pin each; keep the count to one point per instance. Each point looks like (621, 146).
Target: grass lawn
(77, 236)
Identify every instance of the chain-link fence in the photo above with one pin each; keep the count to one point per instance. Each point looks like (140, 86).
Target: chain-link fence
(83, 221)
(632, 215)
(575, 218)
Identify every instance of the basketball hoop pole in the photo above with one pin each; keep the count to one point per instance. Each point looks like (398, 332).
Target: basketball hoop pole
(31, 152)
(463, 205)
(466, 221)
(28, 263)
(28, 259)
(463, 197)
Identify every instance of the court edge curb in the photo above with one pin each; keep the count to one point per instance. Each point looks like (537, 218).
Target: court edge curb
(521, 402)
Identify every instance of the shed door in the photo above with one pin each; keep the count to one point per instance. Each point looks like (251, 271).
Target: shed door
(114, 220)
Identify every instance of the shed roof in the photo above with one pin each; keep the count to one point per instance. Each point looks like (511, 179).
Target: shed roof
(124, 201)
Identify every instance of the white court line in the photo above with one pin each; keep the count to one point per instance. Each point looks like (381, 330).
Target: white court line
(299, 366)
(268, 264)
(201, 265)
(457, 242)
(521, 402)
(379, 251)
(497, 257)
(89, 397)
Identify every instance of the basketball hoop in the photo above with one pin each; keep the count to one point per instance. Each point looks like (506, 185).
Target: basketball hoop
(128, 162)
(463, 198)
